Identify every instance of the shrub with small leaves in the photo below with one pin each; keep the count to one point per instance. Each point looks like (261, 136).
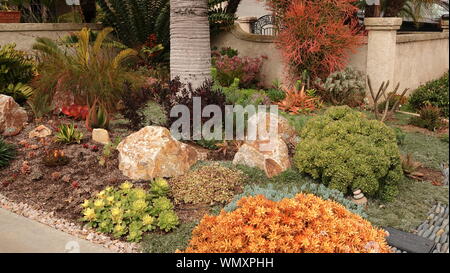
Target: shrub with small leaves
(128, 211)
(430, 118)
(302, 224)
(434, 93)
(347, 151)
(212, 184)
(7, 153)
(400, 135)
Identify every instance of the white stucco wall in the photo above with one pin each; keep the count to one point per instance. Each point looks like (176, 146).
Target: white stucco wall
(252, 8)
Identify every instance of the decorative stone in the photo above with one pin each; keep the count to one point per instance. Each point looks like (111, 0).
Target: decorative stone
(356, 192)
(12, 117)
(362, 201)
(272, 158)
(153, 152)
(358, 196)
(101, 136)
(40, 132)
(285, 130)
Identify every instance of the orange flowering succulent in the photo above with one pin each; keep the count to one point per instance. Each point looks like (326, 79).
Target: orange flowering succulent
(304, 224)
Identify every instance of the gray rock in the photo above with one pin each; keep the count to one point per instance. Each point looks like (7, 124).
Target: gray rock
(427, 233)
(444, 238)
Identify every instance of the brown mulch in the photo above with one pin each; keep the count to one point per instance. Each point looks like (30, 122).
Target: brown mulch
(415, 129)
(430, 175)
(63, 189)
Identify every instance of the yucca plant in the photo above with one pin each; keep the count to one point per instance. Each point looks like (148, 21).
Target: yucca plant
(7, 153)
(97, 117)
(68, 134)
(88, 69)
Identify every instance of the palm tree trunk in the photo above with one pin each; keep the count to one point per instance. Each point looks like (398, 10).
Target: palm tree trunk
(393, 7)
(190, 46)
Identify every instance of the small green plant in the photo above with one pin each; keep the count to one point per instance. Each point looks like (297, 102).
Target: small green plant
(7, 153)
(434, 93)
(276, 92)
(347, 151)
(430, 118)
(108, 150)
(68, 134)
(97, 117)
(40, 105)
(128, 211)
(170, 242)
(400, 135)
(343, 87)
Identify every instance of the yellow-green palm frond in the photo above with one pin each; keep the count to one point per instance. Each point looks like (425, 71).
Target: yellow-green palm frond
(123, 55)
(83, 45)
(100, 38)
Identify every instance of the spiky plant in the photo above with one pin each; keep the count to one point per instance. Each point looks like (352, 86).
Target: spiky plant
(7, 153)
(88, 70)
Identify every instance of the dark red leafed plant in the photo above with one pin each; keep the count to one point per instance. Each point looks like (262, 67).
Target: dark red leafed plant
(75, 111)
(316, 35)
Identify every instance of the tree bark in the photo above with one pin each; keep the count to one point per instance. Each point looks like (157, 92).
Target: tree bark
(190, 46)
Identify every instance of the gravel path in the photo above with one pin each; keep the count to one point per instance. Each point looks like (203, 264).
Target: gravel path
(435, 227)
(68, 227)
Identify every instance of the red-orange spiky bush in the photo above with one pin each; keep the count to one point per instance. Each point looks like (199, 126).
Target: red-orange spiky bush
(304, 224)
(316, 35)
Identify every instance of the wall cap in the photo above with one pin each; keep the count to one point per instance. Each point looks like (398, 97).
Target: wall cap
(417, 37)
(20, 27)
(383, 23)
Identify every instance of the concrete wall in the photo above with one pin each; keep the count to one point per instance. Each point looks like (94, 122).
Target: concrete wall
(419, 57)
(252, 8)
(24, 34)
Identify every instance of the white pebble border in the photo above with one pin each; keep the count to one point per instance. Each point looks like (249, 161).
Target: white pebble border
(69, 227)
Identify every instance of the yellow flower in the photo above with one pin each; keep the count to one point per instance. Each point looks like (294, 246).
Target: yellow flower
(86, 203)
(116, 211)
(89, 213)
(110, 199)
(139, 205)
(147, 220)
(108, 189)
(140, 193)
(99, 203)
(126, 185)
(101, 194)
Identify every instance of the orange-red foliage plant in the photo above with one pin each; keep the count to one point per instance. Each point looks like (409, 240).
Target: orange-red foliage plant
(297, 101)
(316, 35)
(304, 224)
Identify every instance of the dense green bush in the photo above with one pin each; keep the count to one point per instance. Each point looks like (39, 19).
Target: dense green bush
(16, 70)
(239, 96)
(434, 93)
(7, 153)
(347, 151)
(131, 211)
(271, 193)
(168, 242)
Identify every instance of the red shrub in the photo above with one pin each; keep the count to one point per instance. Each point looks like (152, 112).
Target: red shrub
(316, 35)
(246, 69)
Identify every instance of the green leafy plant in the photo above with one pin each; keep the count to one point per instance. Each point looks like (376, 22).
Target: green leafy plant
(108, 150)
(208, 185)
(16, 70)
(40, 105)
(276, 92)
(97, 117)
(434, 93)
(68, 134)
(239, 96)
(90, 71)
(170, 242)
(430, 118)
(400, 135)
(128, 211)
(7, 153)
(347, 151)
(343, 87)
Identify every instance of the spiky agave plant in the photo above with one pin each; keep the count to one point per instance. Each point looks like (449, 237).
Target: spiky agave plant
(7, 153)
(87, 69)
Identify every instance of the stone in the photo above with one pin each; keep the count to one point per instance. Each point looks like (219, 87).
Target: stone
(361, 201)
(40, 132)
(12, 117)
(153, 152)
(358, 196)
(356, 192)
(272, 158)
(285, 130)
(101, 136)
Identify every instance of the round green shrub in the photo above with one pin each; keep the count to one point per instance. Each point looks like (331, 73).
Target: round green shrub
(434, 93)
(347, 151)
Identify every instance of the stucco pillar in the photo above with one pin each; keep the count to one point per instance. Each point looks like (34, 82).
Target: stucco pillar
(246, 23)
(444, 25)
(381, 49)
